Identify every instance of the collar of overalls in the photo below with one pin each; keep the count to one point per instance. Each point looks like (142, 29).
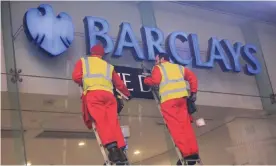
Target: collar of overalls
(94, 55)
(164, 61)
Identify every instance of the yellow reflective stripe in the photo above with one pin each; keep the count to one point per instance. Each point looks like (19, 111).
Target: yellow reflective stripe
(108, 76)
(87, 68)
(107, 87)
(89, 75)
(166, 79)
(172, 91)
(181, 71)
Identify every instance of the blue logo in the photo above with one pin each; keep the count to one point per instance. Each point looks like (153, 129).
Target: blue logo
(54, 34)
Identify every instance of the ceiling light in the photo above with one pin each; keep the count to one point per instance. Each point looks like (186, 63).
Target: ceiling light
(82, 143)
(29, 163)
(136, 152)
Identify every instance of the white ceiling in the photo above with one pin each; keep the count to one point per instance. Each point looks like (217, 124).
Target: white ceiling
(260, 10)
(51, 113)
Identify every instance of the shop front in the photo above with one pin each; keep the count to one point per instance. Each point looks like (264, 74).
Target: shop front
(40, 107)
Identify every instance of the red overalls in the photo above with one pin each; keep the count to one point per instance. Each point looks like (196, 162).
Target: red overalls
(102, 107)
(176, 115)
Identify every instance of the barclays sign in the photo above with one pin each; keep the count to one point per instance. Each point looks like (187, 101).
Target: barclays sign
(55, 34)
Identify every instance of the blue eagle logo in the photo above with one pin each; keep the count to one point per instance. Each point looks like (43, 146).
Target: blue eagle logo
(54, 34)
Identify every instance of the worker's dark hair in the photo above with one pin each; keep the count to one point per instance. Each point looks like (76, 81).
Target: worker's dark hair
(164, 55)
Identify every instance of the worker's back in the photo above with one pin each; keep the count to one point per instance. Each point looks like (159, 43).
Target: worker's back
(172, 84)
(172, 70)
(97, 74)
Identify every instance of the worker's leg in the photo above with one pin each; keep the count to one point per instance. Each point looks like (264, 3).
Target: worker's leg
(177, 121)
(113, 120)
(114, 124)
(188, 140)
(120, 137)
(169, 111)
(97, 108)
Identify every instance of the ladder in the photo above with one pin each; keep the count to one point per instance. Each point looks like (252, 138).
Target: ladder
(155, 91)
(106, 160)
(103, 151)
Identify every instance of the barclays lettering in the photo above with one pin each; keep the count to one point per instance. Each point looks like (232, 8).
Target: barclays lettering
(54, 34)
(218, 51)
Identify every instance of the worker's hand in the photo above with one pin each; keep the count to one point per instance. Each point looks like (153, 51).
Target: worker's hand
(193, 97)
(200, 122)
(120, 106)
(129, 98)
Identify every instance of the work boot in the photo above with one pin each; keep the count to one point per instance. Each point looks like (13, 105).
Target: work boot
(114, 152)
(178, 163)
(123, 148)
(193, 160)
(123, 157)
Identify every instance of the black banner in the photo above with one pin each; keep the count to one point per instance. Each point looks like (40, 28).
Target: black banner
(134, 80)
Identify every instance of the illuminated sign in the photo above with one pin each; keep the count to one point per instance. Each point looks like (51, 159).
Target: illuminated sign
(96, 29)
(54, 34)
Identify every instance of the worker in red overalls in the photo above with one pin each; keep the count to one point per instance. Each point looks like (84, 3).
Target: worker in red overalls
(97, 77)
(173, 98)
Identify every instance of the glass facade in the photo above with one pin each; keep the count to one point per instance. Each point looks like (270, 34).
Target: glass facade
(40, 104)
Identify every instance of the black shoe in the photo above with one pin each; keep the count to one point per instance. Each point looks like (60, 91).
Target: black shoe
(123, 148)
(114, 154)
(123, 157)
(178, 163)
(122, 163)
(193, 159)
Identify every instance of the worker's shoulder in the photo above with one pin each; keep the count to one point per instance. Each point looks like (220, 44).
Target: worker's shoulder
(97, 59)
(156, 67)
(167, 64)
(177, 65)
(85, 57)
(110, 64)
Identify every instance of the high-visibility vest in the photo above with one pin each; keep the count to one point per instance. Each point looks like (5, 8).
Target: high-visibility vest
(172, 85)
(97, 74)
